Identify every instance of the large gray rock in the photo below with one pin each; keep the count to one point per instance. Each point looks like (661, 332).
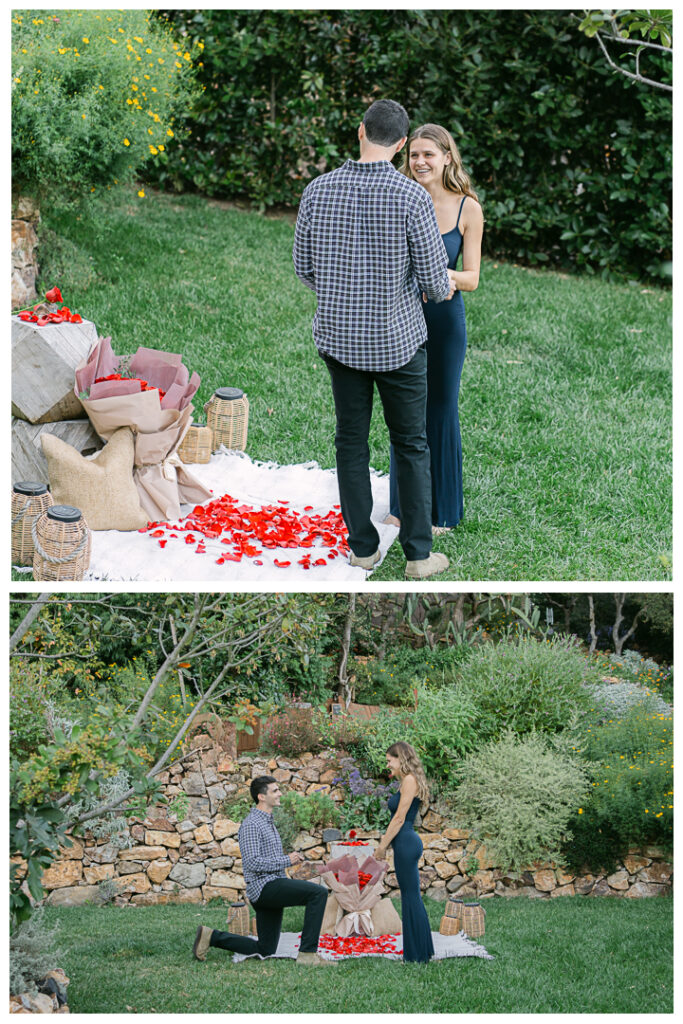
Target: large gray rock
(189, 875)
(73, 896)
(193, 784)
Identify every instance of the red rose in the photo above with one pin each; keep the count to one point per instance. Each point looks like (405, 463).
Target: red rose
(54, 295)
(352, 833)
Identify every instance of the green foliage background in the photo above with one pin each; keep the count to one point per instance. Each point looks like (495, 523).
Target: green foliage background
(571, 160)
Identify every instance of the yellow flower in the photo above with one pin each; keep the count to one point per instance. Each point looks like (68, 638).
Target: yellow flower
(126, 142)
(169, 133)
(153, 150)
(141, 193)
(580, 810)
(86, 40)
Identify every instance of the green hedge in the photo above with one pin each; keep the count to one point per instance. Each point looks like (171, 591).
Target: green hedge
(572, 161)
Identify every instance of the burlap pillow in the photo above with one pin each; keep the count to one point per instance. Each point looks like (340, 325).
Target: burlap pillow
(102, 487)
(385, 920)
(333, 914)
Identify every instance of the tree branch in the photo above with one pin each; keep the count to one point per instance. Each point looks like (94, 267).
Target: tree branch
(30, 617)
(629, 74)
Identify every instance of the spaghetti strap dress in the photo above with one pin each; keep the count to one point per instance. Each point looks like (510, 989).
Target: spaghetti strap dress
(407, 845)
(446, 346)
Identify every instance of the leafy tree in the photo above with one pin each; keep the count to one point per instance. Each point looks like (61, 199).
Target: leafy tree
(221, 633)
(632, 33)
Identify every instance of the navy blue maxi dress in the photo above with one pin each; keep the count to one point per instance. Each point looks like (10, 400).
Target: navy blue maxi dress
(446, 346)
(407, 846)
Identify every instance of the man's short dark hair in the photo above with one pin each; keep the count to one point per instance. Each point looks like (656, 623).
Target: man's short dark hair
(385, 123)
(260, 785)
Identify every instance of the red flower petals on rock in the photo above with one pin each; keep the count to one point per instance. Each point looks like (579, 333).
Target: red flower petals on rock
(42, 317)
(246, 531)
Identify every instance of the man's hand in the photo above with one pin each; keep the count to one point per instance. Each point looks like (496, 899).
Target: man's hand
(296, 857)
(451, 275)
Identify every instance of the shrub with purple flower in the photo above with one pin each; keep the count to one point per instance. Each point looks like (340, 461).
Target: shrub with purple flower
(365, 802)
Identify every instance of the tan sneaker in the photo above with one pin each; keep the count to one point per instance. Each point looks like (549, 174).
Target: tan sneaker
(369, 562)
(312, 959)
(423, 568)
(202, 942)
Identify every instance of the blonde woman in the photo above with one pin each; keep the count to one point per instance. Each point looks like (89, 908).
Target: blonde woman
(404, 764)
(432, 159)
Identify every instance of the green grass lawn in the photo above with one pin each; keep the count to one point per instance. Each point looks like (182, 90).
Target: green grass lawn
(568, 955)
(565, 401)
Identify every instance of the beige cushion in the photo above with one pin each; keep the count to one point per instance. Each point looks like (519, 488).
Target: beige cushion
(102, 487)
(333, 915)
(385, 920)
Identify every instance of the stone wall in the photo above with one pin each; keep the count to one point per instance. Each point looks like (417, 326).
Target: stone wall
(25, 217)
(198, 858)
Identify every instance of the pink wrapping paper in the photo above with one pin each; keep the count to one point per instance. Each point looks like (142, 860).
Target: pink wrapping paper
(158, 426)
(356, 903)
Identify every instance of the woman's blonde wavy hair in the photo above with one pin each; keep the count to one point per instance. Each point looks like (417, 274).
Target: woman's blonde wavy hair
(455, 178)
(410, 764)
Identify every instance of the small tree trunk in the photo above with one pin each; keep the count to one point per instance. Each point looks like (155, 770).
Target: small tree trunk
(181, 678)
(28, 619)
(591, 616)
(345, 684)
(617, 640)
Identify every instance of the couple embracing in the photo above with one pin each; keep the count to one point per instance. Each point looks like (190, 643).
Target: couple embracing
(269, 890)
(379, 248)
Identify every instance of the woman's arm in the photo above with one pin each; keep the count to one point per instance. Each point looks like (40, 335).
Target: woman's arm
(408, 794)
(467, 279)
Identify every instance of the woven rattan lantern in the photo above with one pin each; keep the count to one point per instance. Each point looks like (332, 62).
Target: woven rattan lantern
(451, 922)
(227, 415)
(196, 445)
(29, 500)
(62, 543)
(473, 919)
(238, 918)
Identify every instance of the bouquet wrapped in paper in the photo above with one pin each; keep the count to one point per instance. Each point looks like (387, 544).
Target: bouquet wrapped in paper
(152, 397)
(357, 888)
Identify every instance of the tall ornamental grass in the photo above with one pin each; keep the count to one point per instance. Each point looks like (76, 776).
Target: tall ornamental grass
(95, 94)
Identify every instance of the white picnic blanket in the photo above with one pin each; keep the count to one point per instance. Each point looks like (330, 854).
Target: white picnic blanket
(138, 556)
(445, 946)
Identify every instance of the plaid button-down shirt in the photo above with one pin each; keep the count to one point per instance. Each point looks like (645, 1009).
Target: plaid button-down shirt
(263, 858)
(368, 244)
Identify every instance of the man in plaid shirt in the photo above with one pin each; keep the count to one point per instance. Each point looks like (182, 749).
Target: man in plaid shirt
(268, 888)
(367, 243)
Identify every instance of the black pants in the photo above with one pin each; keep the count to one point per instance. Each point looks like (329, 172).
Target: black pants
(275, 896)
(403, 393)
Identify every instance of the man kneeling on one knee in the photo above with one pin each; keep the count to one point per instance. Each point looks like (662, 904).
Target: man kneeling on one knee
(268, 889)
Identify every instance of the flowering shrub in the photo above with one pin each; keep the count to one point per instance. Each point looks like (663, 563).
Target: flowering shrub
(292, 732)
(518, 796)
(631, 798)
(95, 93)
(338, 731)
(365, 801)
(634, 668)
